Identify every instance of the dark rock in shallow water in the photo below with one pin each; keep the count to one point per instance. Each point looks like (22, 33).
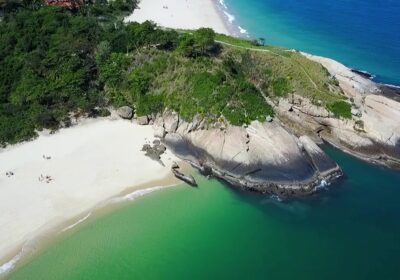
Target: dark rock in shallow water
(185, 178)
(391, 92)
(363, 74)
(175, 166)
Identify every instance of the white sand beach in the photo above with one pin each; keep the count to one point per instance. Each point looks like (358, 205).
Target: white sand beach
(86, 164)
(183, 14)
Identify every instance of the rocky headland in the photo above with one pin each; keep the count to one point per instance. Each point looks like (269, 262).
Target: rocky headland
(372, 133)
(281, 156)
(262, 157)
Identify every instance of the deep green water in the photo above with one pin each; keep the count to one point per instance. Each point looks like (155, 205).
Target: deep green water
(351, 231)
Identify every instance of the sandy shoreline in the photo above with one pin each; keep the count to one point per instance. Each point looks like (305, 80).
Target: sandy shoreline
(88, 164)
(181, 14)
(59, 179)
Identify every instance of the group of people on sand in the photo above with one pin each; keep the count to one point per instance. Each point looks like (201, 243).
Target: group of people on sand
(42, 178)
(46, 178)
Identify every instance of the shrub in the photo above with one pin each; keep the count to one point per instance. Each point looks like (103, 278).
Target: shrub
(280, 87)
(149, 103)
(340, 109)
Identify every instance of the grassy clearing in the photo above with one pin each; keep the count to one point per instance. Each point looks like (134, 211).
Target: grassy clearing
(289, 71)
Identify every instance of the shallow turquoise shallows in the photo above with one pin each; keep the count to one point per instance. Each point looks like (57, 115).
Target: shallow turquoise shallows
(363, 34)
(351, 231)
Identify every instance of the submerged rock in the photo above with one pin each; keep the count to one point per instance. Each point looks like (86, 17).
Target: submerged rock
(185, 178)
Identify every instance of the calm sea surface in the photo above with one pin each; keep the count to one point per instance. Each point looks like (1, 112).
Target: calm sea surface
(363, 34)
(351, 231)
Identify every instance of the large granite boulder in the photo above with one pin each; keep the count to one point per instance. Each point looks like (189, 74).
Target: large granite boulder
(159, 132)
(171, 121)
(263, 156)
(144, 120)
(125, 112)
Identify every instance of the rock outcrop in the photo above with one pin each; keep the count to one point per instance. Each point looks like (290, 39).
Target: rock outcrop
(373, 132)
(143, 120)
(125, 112)
(189, 179)
(263, 157)
(154, 152)
(280, 156)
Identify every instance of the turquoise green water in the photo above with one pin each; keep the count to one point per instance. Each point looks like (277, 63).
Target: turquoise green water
(349, 232)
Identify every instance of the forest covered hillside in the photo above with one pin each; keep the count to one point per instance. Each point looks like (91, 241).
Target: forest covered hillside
(56, 63)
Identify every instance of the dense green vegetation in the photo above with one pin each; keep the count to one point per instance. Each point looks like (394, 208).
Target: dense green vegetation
(56, 63)
(341, 109)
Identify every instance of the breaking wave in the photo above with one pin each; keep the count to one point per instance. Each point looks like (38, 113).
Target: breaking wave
(77, 223)
(10, 265)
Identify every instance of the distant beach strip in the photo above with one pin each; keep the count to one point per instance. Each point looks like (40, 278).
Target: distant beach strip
(183, 14)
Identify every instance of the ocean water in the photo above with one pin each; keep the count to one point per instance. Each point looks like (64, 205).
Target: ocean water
(351, 231)
(362, 34)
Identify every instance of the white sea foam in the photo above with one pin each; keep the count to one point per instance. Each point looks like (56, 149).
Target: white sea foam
(230, 17)
(242, 30)
(77, 223)
(323, 185)
(392, 86)
(276, 198)
(222, 2)
(129, 197)
(135, 194)
(8, 266)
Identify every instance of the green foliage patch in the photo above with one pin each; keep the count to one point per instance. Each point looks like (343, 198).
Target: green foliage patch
(340, 109)
(55, 62)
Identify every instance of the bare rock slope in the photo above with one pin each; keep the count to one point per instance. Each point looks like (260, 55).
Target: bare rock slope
(263, 156)
(373, 132)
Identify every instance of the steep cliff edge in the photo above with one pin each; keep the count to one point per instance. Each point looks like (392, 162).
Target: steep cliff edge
(372, 132)
(263, 157)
